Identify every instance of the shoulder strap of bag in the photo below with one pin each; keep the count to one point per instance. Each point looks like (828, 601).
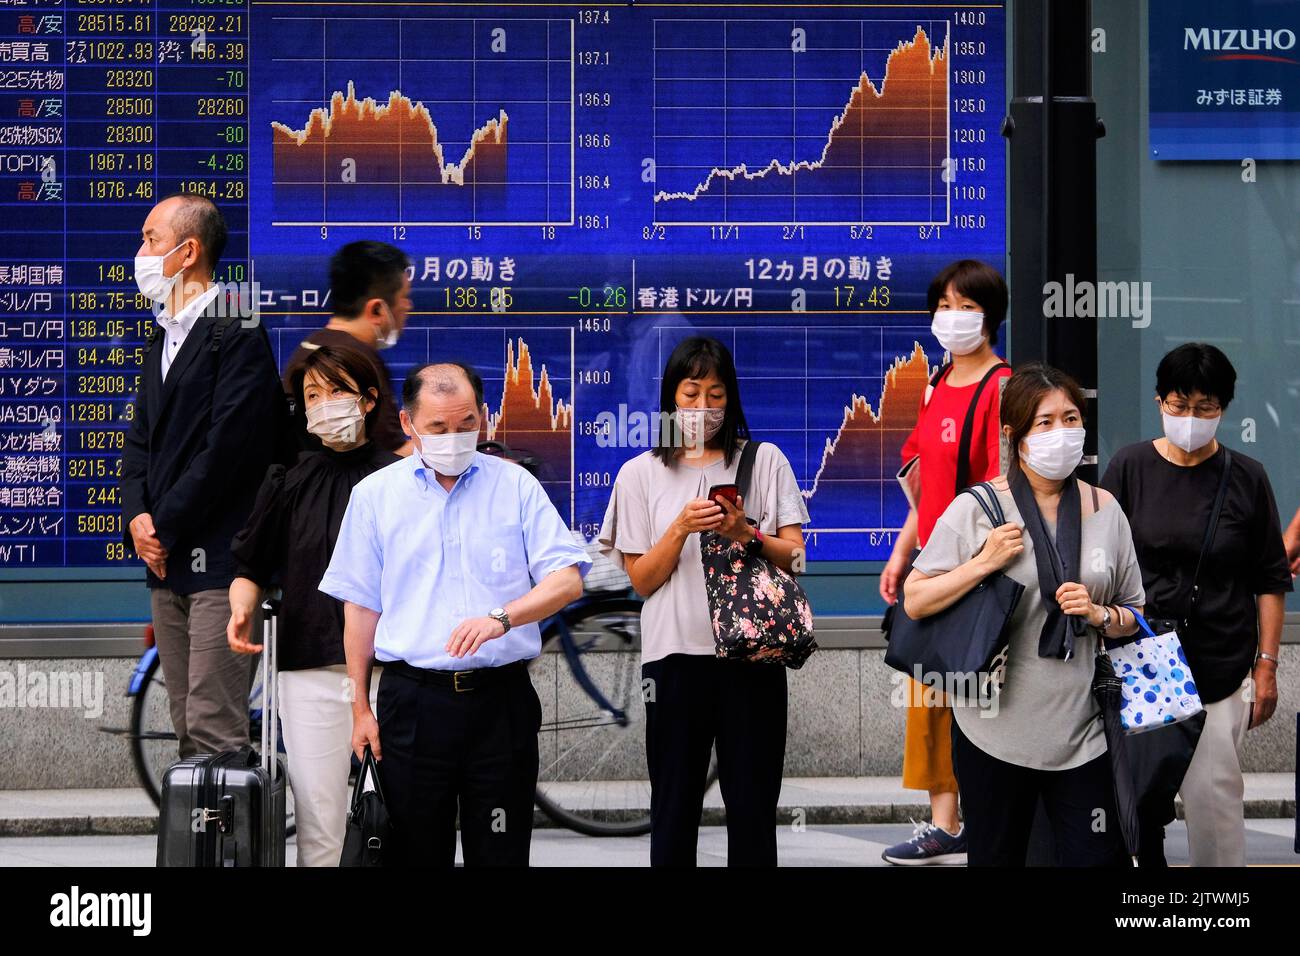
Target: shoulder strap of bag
(968, 427)
(992, 507)
(219, 329)
(1142, 622)
(1209, 531)
(935, 379)
(745, 470)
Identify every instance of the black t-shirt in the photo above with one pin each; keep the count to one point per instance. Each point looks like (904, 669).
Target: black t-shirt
(1168, 508)
(289, 539)
(386, 430)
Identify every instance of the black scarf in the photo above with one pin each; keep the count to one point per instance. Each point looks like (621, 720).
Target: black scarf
(1057, 561)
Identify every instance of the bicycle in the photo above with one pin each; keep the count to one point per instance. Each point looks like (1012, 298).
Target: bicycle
(591, 777)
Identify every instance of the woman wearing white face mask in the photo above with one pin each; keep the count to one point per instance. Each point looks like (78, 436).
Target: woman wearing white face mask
(1044, 739)
(1231, 634)
(288, 541)
(659, 504)
(955, 443)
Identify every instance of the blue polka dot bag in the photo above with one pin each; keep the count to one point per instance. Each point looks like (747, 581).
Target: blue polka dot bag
(1158, 685)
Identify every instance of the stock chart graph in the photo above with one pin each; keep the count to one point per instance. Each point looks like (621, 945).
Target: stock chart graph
(795, 128)
(418, 121)
(575, 187)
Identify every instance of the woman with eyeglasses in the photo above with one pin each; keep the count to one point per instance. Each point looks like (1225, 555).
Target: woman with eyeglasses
(1168, 487)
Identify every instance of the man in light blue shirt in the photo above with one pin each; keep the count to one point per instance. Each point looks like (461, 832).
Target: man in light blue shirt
(445, 562)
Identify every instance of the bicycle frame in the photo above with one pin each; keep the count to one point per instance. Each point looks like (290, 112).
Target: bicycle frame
(559, 623)
(141, 671)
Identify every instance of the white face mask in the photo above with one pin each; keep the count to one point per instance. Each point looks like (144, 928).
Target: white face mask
(149, 278)
(1054, 454)
(389, 338)
(448, 454)
(1189, 432)
(699, 425)
(336, 422)
(958, 331)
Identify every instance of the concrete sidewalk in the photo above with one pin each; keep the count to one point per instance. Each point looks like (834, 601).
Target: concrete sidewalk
(822, 800)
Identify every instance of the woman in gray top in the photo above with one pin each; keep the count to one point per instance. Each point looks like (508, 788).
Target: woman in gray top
(1069, 544)
(694, 700)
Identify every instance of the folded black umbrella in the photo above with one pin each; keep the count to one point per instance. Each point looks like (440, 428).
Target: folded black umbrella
(1148, 767)
(1158, 761)
(1108, 689)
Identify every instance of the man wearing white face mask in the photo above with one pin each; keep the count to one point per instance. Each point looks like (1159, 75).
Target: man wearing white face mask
(446, 562)
(1232, 629)
(370, 292)
(204, 429)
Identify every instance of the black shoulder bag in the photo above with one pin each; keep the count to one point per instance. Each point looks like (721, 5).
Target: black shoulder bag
(368, 824)
(964, 646)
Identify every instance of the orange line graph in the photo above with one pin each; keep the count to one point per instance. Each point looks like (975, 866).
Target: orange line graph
(911, 62)
(530, 417)
(399, 133)
(865, 436)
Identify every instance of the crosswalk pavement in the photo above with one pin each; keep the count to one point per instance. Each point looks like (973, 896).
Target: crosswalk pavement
(1268, 842)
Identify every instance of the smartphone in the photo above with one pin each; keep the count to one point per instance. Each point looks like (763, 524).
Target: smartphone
(730, 492)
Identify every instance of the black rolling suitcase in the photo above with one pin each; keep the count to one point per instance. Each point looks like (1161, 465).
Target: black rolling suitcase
(228, 809)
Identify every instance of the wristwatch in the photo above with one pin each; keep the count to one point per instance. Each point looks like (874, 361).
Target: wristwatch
(500, 614)
(1105, 619)
(1265, 656)
(755, 544)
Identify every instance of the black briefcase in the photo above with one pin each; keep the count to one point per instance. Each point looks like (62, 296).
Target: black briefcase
(369, 828)
(228, 809)
(965, 645)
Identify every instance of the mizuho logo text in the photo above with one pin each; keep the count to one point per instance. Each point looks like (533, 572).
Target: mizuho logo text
(1237, 40)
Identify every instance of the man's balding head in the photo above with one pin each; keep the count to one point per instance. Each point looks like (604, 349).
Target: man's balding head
(183, 216)
(442, 397)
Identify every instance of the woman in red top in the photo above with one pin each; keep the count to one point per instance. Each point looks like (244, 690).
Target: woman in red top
(967, 302)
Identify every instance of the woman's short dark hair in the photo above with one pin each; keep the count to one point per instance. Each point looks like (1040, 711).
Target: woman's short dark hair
(696, 357)
(336, 364)
(1025, 390)
(1197, 367)
(979, 282)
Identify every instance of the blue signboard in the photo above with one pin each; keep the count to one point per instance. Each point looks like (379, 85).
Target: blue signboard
(1225, 79)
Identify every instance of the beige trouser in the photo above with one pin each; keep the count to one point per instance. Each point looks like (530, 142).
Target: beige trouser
(316, 718)
(207, 683)
(1213, 788)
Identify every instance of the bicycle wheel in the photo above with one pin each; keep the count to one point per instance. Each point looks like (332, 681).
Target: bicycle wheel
(153, 737)
(592, 776)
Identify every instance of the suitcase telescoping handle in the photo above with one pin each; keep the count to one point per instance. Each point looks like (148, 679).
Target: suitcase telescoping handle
(270, 697)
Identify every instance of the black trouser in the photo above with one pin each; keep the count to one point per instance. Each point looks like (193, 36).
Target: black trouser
(694, 701)
(998, 800)
(444, 749)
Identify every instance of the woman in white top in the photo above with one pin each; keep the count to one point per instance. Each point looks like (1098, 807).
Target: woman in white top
(694, 700)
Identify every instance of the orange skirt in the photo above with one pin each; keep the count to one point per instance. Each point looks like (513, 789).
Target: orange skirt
(927, 744)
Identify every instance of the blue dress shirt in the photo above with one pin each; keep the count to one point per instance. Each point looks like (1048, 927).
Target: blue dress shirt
(427, 559)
